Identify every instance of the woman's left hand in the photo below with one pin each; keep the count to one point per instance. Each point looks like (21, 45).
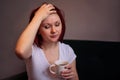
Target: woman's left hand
(68, 73)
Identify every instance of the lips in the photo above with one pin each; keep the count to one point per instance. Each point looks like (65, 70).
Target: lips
(54, 36)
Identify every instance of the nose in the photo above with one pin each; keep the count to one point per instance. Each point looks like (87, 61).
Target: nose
(53, 30)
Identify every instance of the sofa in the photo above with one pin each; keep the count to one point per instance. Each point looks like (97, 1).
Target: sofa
(96, 60)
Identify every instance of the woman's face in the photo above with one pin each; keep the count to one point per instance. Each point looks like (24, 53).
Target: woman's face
(51, 28)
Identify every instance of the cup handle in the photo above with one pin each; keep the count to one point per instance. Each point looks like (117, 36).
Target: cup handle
(50, 69)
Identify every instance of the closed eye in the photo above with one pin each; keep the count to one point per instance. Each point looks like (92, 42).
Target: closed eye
(57, 24)
(46, 26)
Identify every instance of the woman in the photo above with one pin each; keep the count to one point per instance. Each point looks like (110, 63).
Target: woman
(40, 45)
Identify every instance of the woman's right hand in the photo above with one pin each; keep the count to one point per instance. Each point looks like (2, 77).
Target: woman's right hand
(45, 10)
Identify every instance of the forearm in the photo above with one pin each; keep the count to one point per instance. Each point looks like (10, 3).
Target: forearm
(26, 39)
(76, 77)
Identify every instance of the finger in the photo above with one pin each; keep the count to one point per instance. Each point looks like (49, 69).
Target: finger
(49, 8)
(67, 71)
(45, 4)
(68, 76)
(50, 5)
(52, 10)
(68, 67)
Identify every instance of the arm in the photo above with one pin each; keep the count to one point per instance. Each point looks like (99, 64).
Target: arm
(24, 44)
(71, 73)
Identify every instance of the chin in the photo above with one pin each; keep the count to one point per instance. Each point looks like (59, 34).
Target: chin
(54, 40)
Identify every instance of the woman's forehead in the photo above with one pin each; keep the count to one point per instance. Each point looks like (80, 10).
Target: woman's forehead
(52, 18)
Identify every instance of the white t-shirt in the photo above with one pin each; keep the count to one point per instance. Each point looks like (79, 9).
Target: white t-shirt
(37, 65)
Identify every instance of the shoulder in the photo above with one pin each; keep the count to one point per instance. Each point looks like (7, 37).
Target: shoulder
(68, 52)
(64, 45)
(35, 49)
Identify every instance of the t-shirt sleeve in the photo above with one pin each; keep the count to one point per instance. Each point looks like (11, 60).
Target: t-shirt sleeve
(67, 53)
(34, 49)
(71, 54)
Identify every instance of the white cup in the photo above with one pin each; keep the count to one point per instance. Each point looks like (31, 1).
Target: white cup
(57, 67)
